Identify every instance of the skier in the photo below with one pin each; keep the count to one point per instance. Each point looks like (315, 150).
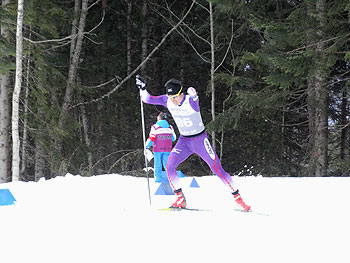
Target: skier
(161, 137)
(185, 111)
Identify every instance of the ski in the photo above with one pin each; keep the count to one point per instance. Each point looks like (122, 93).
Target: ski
(203, 210)
(181, 209)
(250, 212)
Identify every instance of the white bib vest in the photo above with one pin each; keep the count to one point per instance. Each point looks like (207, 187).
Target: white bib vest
(188, 121)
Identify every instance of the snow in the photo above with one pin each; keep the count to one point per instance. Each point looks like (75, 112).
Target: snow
(108, 218)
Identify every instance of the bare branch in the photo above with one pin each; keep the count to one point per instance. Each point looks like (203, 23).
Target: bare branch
(49, 40)
(206, 9)
(100, 23)
(93, 41)
(183, 34)
(316, 43)
(228, 49)
(189, 28)
(141, 64)
(121, 158)
(109, 156)
(70, 37)
(100, 85)
(93, 4)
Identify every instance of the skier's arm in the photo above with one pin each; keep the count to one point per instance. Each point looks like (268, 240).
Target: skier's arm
(155, 100)
(194, 99)
(146, 97)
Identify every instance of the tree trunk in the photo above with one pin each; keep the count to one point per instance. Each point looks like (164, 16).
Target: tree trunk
(321, 126)
(100, 149)
(74, 62)
(39, 167)
(223, 132)
(16, 94)
(75, 25)
(158, 58)
(4, 127)
(25, 122)
(86, 137)
(40, 160)
(321, 94)
(311, 104)
(212, 71)
(76, 47)
(128, 37)
(5, 82)
(144, 35)
(343, 123)
(318, 96)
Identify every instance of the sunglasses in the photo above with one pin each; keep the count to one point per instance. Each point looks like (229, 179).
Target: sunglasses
(175, 95)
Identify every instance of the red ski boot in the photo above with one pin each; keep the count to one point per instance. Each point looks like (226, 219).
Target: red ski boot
(239, 201)
(180, 201)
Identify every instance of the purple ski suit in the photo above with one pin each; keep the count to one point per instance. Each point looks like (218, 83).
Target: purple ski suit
(193, 138)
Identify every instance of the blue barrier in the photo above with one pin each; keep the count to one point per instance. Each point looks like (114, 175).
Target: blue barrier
(164, 189)
(194, 183)
(6, 198)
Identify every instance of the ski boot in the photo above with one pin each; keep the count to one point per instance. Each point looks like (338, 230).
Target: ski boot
(239, 201)
(180, 201)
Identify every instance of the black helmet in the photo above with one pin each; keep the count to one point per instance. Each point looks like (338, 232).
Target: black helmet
(173, 87)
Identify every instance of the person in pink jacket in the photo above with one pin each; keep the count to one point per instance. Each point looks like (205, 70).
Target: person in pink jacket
(161, 137)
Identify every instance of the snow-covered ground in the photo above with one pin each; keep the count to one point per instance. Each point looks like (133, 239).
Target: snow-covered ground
(108, 218)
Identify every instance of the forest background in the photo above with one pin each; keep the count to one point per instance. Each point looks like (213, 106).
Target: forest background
(272, 76)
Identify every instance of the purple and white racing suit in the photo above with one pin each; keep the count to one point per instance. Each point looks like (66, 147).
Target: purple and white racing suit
(193, 138)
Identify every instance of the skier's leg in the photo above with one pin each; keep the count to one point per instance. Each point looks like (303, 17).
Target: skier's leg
(180, 153)
(165, 157)
(204, 149)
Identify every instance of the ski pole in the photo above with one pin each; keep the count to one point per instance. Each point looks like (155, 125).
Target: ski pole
(144, 148)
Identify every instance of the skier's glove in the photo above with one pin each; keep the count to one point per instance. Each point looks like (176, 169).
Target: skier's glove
(140, 82)
(192, 92)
